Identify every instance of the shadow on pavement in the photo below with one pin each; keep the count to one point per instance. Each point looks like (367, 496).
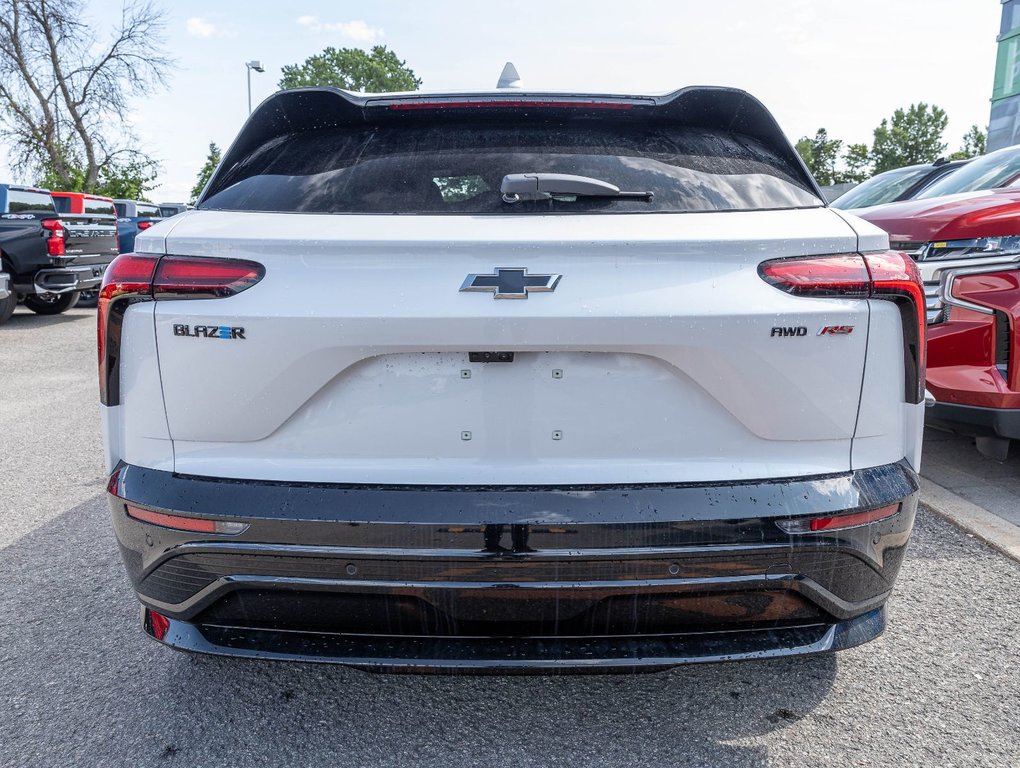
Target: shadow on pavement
(26, 318)
(80, 684)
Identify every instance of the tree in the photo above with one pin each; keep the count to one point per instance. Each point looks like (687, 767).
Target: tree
(910, 137)
(354, 70)
(820, 155)
(64, 92)
(974, 144)
(211, 161)
(856, 164)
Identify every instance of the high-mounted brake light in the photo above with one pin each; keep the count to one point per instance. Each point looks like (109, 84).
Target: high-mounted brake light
(509, 103)
(839, 522)
(888, 275)
(134, 277)
(55, 241)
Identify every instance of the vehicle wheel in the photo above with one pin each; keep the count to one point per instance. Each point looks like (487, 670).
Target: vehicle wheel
(88, 299)
(51, 303)
(7, 307)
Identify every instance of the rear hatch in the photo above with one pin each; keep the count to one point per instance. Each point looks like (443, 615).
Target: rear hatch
(658, 355)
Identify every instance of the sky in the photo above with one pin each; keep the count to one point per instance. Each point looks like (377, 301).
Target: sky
(838, 64)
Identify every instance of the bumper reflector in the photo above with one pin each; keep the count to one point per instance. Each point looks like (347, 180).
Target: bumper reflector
(179, 523)
(838, 522)
(159, 623)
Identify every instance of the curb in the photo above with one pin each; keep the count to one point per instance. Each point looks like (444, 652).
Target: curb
(997, 533)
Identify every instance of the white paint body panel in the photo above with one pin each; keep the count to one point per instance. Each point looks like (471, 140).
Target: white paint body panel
(356, 340)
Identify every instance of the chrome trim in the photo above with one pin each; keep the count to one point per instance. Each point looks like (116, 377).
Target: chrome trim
(5, 285)
(929, 399)
(56, 280)
(948, 278)
(549, 283)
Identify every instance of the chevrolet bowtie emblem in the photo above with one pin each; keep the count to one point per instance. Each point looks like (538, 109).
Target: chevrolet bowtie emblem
(510, 283)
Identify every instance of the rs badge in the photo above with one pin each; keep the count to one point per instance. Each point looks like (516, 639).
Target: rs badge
(836, 330)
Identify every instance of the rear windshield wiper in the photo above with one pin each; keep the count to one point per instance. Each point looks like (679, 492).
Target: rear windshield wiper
(560, 186)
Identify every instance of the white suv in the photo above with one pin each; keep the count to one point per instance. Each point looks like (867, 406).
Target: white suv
(512, 380)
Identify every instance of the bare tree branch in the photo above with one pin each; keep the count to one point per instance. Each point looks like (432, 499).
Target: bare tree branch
(65, 92)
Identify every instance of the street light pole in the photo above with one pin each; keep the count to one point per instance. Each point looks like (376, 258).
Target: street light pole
(250, 65)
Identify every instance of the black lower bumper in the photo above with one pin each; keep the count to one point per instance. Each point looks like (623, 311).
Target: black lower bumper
(973, 420)
(515, 578)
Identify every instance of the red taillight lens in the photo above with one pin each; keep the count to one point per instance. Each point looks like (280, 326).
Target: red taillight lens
(55, 241)
(135, 277)
(181, 523)
(838, 522)
(127, 279)
(191, 277)
(144, 225)
(844, 275)
(158, 623)
(895, 276)
(886, 275)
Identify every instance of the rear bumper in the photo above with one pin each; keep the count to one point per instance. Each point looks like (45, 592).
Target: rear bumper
(975, 420)
(513, 579)
(65, 279)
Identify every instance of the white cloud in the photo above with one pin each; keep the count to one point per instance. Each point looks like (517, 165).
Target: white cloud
(356, 31)
(199, 27)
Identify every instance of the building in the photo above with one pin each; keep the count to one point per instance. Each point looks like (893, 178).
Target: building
(1004, 124)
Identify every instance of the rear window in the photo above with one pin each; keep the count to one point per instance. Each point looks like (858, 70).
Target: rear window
(99, 206)
(457, 168)
(148, 212)
(62, 204)
(121, 209)
(19, 200)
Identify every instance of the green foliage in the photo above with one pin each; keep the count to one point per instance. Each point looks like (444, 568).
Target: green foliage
(974, 144)
(211, 161)
(856, 164)
(820, 155)
(354, 70)
(129, 179)
(910, 137)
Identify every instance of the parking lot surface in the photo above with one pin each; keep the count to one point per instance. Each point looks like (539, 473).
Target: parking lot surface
(81, 685)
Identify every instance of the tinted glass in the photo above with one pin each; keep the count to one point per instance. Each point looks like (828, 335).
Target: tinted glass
(19, 200)
(99, 206)
(62, 204)
(148, 212)
(884, 188)
(989, 172)
(121, 209)
(458, 167)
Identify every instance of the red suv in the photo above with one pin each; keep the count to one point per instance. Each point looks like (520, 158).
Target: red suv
(968, 248)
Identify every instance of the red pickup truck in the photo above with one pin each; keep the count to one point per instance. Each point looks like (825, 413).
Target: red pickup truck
(968, 249)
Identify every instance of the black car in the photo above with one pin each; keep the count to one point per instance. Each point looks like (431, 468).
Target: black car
(896, 185)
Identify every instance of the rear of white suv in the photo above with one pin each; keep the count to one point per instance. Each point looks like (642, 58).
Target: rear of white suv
(363, 406)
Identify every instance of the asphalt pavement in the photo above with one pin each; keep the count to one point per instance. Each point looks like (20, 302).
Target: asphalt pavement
(81, 685)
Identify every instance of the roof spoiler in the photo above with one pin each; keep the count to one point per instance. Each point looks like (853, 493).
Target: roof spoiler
(305, 109)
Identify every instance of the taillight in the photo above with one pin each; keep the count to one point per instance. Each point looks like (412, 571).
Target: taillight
(192, 277)
(888, 275)
(133, 277)
(838, 522)
(144, 225)
(128, 279)
(55, 239)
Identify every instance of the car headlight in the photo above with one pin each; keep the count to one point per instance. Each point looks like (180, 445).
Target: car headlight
(973, 249)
